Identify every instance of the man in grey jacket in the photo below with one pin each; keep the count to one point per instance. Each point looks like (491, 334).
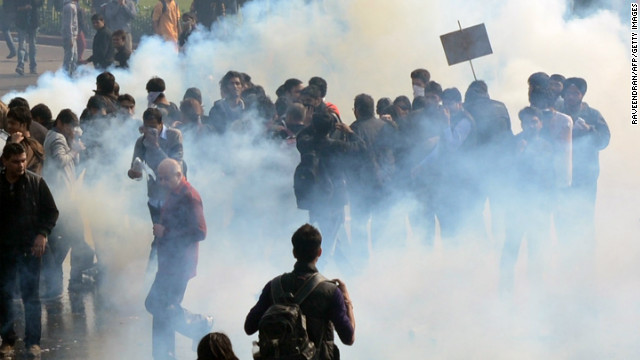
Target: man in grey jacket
(69, 31)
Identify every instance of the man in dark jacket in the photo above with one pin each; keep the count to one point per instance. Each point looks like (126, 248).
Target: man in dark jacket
(27, 215)
(328, 195)
(27, 24)
(590, 135)
(102, 56)
(179, 229)
(364, 176)
(493, 134)
(327, 307)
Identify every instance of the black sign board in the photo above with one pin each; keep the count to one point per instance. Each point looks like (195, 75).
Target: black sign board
(466, 44)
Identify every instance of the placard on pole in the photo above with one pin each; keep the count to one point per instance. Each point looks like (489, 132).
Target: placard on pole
(466, 44)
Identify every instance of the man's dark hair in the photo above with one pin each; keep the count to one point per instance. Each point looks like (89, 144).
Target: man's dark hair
(105, 82)
(265, 107)
(322, 123)
(422, 74)
(433, 88)
(312, 91)
(257, 91)
(541, 97)
(477, 89)
(382, 104)
(155, 84)
(43, 112)
(126, 97)
(21, 114)
(320, 83)
(451, 94)
(230, 75)
(529, 112)
(67, 116)
(538, 80)
(306, 242)
(12, 149)
(290, 84)
(419, 103)
(96, 102)
(557, 77)
(579, 83)
(95, 17)
(390, 110)
(193, 93)
(152, 113)
(281, 105)
(403, 103)
(119, 34)
(246, 80)
(215, 345)
(363, 104)
(18, 101)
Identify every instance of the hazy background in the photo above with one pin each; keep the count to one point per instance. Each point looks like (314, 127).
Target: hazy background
(410, 302)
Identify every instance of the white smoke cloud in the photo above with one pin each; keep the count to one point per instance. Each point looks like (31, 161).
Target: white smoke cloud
(410, 302)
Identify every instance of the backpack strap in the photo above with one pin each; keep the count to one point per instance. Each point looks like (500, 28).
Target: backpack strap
(277, 292)
(307, 288)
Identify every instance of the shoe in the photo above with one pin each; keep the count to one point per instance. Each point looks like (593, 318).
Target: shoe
(79, 286)
(20, 71)
(33, 72)
(11, 55)
(33, 352)
(6, 350)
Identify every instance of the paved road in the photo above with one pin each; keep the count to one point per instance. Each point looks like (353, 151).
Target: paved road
(49, 58)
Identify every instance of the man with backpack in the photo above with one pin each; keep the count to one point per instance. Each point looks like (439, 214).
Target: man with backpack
(304, 302)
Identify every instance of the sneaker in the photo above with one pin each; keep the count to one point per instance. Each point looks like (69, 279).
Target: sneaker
(11, 55)
(20, 71)
(33, 352)
(33, 72)
(6, 349)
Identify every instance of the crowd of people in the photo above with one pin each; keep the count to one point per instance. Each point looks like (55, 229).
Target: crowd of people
(112, 22)
(446, 152)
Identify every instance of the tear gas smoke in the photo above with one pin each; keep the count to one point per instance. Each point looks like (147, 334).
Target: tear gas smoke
(410, 301)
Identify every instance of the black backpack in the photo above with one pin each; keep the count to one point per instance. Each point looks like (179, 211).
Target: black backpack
(283, 327)
(310, 181)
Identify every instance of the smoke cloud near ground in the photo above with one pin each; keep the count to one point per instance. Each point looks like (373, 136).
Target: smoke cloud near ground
(410, 301)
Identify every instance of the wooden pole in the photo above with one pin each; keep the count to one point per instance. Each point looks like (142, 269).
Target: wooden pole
(470, 63)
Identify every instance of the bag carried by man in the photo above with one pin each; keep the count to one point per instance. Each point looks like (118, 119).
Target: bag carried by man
(283, 329)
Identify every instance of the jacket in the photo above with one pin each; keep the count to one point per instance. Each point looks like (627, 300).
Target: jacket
(69, 22)
(27, 19)
(183, 219)
(324, 310)
(102, 56)
(29, 212)
(170, 146)
(60, 163)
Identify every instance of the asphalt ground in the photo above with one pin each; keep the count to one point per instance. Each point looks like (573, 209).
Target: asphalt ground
(49, 58)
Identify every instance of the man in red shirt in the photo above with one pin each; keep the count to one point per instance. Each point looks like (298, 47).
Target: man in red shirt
(178, 231)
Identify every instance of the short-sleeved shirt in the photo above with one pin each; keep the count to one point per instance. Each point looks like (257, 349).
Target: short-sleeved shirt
(167, 22)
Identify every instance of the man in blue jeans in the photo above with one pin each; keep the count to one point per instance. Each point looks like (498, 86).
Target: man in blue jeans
(27, 24)
(27, 216)
(6, 20)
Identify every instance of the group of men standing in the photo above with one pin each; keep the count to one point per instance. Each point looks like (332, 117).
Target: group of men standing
(446, 154)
